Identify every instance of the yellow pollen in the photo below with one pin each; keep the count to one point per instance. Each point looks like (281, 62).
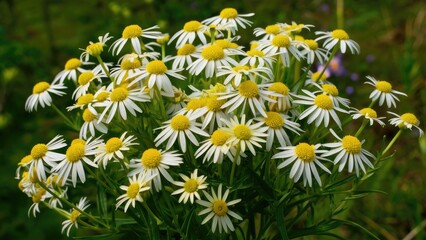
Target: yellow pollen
(130, 63)
(305, 152)
(248, 89)
(241, 68)
(213, 104)
(78, 141)
(88, 116)
(191, 185)
(274, 120)
(180, 123)
(311, 44)
(75, 152)
(133, 190)
(220, 208)
(95, 49)
(192, 26)
(85, 99)
(119, 94)
(323, 101)
(315, 76)
(74, 215)
(73, 63)
(383, 86)
(186, 49)
(351, 144)
(218, 88)
(223, 43)
(39, 151)
(25, 160)
(281, 41)
(38, 195)
(279, 87)
(410, 119)
(102, 96)
(163, 39)
(40, 87)
(196, 103)
(213, 53)
(131, 31)
(254, 52)
(85, 77)
(368, 111)
(299, 38)
(254, 45)
(330, 89)
(151, 158)
(219, 137)
(273, 29)
(156, 67)
(242, 132)
(113, 144)
(34, 177)
(339, 34)
(229, 13)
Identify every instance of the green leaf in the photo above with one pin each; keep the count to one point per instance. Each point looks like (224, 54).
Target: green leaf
(354, 224)
(279, 215)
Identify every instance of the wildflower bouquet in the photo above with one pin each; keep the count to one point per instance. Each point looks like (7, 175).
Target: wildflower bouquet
(209, 140)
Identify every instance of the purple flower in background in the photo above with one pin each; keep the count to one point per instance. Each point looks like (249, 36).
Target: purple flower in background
(370, 58)
(354, 77)
(335, 68)
(350, 90)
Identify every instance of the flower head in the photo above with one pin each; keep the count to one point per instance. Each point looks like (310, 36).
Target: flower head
(137, 185)
(74, 215)
(406, 121)
(190, 187)
(41, 95)
(383, 92)
(340, 38)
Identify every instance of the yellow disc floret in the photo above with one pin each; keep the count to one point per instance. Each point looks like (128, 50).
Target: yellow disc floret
(75, 152)
(119, 94)
(213, 104)
(130, 63)
(40, 87)
(192, 26)
(229, 13)
(273, 29)
(274, 120)
(95, 49)
(85, 99)
(323, 101)
(133, 190)
(368, 112)
(38, 195)
(151, 158)
(85, 77)
(410, 119)
(191, 185)
(102, 96)
(311, 44)
(305, 152)
(220, 208)
(186, 50)
(39, 151)
(72, 64)
(156, 67)
(279, 87)
(180, 122)
(330, 89)
(339, 34)
(248, 89)
(219, 137)
(241, 68)
(113, 144)
(351, 144)
(242, 132)
(213, 53)
(88, 116)
(281, 41)
(223, 43)
(78, 141)
(383, 86)
(316, 76)
(255, 53)
(131, 31)
(74, 215)
(196, 103)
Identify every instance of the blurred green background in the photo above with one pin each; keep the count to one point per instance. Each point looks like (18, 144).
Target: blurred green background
(38, 36)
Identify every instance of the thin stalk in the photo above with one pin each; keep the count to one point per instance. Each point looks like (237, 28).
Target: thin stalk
(103, 66)
(364, 123)
(333, 53)
(234, 164)
(392, 142)
(66, 119)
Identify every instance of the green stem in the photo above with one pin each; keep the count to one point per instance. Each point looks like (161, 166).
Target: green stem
(160, 103)
(335, 49)
(163, 51)
(103, 66)
(372, 103)
(66, 119)
(364, 123)
(99, 180)
(234, 164)
(339, 13)
(392, 142)
(151, 213)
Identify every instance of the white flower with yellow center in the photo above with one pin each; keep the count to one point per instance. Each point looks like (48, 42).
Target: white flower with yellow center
(283, 100)
(71, 166)
(85, 80)
(71, 69)
(294, 27)
(216, 147)
(269, 31)
(137, 185)
(332, 91)
(154, 163)
(231, 17)
(312, 52)
(184, 56)
(190, 30)
(177, 102)
(315, 77)
(218, 210)
(340, 38)
(257, 58)
(304, 158)
(129, 65)
(132, 33)
(23, 165)
(90, 124)
(74, 215)
(40, 195)
(190, 187)
(114, 148)
(195, 106)
(383, 92)
(230, 48)
(321, 107)
(406, 120)
(282, 45)
(94, 49)
(369, 114)
(243, 72)
(214, 112)
(41, 95)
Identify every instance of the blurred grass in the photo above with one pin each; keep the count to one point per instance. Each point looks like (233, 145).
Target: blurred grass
(37, 37)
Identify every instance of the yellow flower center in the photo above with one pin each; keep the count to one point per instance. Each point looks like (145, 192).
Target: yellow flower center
(78, 141)
(383, 86)
(102, 96)
(305, 152)
(274, 120)
(39, 151)
(300, 39)
(95, 49)
(255, 52)
(311, 44)
(410, 118)
(281, 41)
(163, 39)
(248, 89)
(242, 132)
(73, 63)
(213, 53)
(180, 122)
(74, 215)
(88, 116)
(196, 103)
(315, 76)
(368, 111)
(119, 94)
(219, 137)
(131, 31)
(113, 144)
(75, 152)
(156, 67)
(351, 144)
(241, 68)
(85, 77)
(151, 158)
(85, 99)
(229, 13)
(218, 88)
(220, 208)
(130, 63)
(213, 104)
(186, 49)
(279, 87)
(339, 34)
(25, 160)
(38, 195)
(191, 185)
(133, 190)
(192, 26)
(40, 87)
(323, 101)
(330, 89)
(272, 29)
(223, 43)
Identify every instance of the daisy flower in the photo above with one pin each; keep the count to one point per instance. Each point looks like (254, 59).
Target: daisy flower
(184, 56)
(332, 91)
(283, 100)
(137, 185)
(129, 65)
(84, 81)
(383, 92)
(304, 158)
(269, 32)
(40, 195)
(406, 120)
(95, 49)
(312, 52)
(177, 102)
(23, 165)
(86, 100)
(91, 122)
(180, 126)
(294, 27)
(349, 150)
(114, 148)
(190, 30)
(190, 187)
(320, 109)
(243, 72)
(41, 95)
(214, 112)
(230, 16)
(367, 113)
(257, 58)
(155, 163)
(71, 69)
(282, 45)
(229, 47)
(217, 209)
(215, 147)
(132, 33)
(74, 215)
(196, 107)
(316, 77)
(340, 38)
(71, 166)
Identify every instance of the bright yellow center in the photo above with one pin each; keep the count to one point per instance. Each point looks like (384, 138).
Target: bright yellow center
(119, 94)
(248, 89)
(274, 120)
(38, 195)
(95, 49)
(131, 31)
(279, 87)
(186, 49)
(133, 190)
(75, 152)
(383, 86)
(39, 151)
(40, 87)
(25, 160)
(339, 34)
(273, 29)
(102, 96)
(255, 53)
(192, 26)
(88, 116)
(241, 68)
(213, 53)
(410, 118)
(218, 88)
(219, 137)
(180, 123)
(85, 99)
(330, 89)
(163, 39)
(281, 41)
(229, 13)
(213, 104)
(151, 158)
(223, 43)
(351, 144)
(113, 144)
(242, 132)
(74, 215)
(85, 77)
(73, 63)
(191, 185)
(323, 101)
(299, 38)
(130, 63)
(78, 141)
(311, 44)
(305, 152)
(156, 67)
(368, 111)
(315, 76)
(220, 208)
(196, 103)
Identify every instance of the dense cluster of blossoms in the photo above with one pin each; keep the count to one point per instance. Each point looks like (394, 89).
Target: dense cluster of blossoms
(156, 130)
